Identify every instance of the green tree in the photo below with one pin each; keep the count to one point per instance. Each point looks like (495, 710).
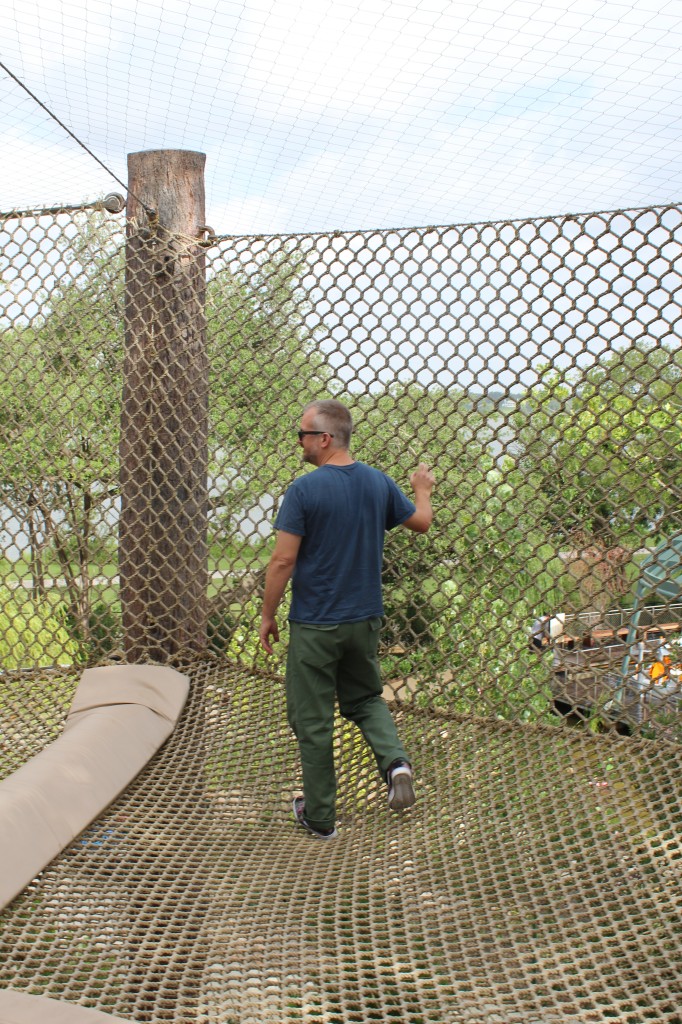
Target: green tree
(264, 365)
(59, 413)
(598, 449)
(60, 397)
(31, 635)
(459, 601)
(601, 446)
(636, 396)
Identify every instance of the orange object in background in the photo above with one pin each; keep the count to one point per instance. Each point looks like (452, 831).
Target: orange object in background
(660, 669)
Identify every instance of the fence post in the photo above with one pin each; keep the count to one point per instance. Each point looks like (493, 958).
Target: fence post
(163, 556)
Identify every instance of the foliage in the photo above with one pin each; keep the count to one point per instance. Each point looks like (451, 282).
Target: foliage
(59, 415)
(104, 632)
(459, 601)
(601, 450)
(60, 405)
(31, 635)
(598, 450)
(260, 352)
(233, 633)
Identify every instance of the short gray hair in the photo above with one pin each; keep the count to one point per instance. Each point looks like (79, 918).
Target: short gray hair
(333, 417)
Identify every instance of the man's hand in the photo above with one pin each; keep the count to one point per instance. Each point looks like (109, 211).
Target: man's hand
(422, 479)
(268, 628)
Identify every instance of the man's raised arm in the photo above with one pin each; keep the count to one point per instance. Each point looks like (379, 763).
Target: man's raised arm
(422, 482)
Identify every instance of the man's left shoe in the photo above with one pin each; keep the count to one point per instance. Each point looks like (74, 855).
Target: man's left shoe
(400, 788)
(299, 812)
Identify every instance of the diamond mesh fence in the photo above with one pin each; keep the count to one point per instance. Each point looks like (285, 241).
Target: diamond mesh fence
(531, 645)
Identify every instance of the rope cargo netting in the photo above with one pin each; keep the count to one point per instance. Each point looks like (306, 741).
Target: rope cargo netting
(536, 366)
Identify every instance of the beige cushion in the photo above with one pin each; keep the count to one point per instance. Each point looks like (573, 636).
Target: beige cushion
(19, 1008)
(119, 717)
(153, 686)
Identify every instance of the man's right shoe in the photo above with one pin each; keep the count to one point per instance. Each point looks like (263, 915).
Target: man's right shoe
(400, 789)
(299, 815)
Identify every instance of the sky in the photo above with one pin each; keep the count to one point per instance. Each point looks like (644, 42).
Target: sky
(318, 115)
(323, 117)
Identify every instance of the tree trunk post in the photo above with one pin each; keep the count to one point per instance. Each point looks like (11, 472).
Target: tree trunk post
(164, 427)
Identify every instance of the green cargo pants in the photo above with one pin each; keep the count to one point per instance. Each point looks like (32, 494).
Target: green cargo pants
(324, 663)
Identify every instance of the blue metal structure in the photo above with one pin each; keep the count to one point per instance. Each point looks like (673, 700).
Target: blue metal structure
(660, 573)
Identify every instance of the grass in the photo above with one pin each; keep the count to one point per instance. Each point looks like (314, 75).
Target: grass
(223, 556)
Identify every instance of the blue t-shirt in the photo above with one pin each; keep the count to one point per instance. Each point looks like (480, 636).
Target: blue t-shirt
(342, 513)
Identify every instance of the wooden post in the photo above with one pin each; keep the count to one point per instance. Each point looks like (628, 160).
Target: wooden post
(164, 428)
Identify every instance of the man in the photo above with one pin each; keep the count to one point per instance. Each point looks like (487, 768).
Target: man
(330, 538)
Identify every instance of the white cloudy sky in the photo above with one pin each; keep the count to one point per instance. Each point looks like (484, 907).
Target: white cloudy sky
(321, 114)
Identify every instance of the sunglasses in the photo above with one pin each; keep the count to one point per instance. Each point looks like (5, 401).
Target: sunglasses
(306, 433)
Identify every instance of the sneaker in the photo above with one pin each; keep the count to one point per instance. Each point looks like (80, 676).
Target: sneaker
(299, 809)
(400, 789)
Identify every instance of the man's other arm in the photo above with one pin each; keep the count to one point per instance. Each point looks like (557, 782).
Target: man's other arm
(278, 574)
(422, 482)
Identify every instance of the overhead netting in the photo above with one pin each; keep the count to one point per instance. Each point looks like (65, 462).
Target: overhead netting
(315, 114)
(536, 366)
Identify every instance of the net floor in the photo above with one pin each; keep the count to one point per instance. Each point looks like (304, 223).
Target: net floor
(538, 879)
